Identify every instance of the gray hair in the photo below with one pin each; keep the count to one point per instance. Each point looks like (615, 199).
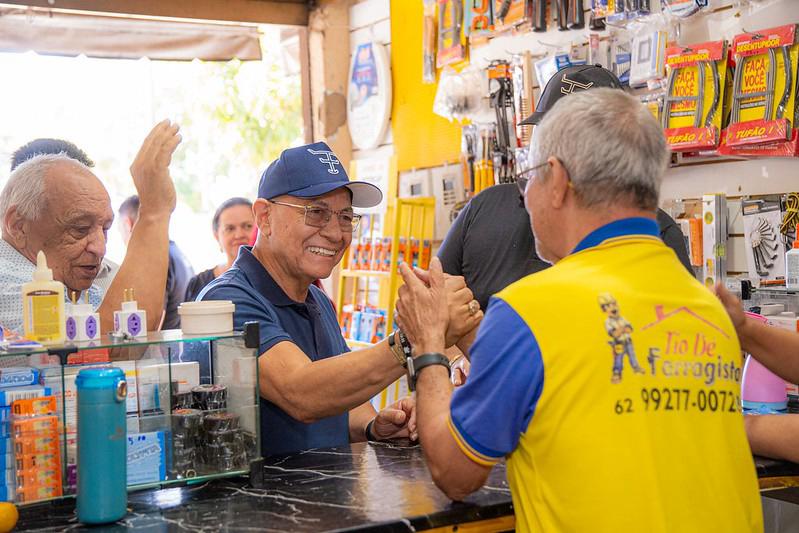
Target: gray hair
(610, 144)
(25, 187)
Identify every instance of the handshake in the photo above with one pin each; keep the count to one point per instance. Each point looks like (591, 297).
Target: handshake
(435, 310)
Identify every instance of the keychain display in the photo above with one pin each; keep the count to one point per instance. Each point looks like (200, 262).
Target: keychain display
(764, 94)
(450, 47)
(478, 18)
(692, 108)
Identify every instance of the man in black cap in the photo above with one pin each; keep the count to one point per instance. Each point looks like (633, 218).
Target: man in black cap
(315, 391)
(490, 244)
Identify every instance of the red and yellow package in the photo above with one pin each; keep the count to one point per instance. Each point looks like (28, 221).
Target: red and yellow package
(764, 93)
(38, 461)
(45, 405)
(33, 493)
(694, 101)
(29, 426)
(39, 477)
(36, 444)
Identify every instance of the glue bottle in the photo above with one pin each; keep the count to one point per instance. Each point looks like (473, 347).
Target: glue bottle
(792, 267)
(43, 305)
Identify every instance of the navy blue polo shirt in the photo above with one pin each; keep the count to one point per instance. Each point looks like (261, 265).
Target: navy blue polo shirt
(311, 325)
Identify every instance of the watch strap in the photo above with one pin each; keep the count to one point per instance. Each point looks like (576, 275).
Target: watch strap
(425, 360)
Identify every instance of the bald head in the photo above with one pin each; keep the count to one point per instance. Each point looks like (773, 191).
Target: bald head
(56, 204)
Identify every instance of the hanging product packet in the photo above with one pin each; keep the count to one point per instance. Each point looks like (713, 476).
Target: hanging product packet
(450, 31)
(696, 91)
(478, 18)
(763, 109)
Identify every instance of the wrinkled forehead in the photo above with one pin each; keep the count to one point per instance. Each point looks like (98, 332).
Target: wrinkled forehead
(72, 188)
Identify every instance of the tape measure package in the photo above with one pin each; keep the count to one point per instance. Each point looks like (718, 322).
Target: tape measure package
(696, 93)
(763, 111)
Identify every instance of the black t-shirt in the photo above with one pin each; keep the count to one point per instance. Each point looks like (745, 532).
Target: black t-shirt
(177, 278)
(198, 283)
(491, 244)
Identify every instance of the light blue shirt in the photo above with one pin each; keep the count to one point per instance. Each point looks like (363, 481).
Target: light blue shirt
(15, 269)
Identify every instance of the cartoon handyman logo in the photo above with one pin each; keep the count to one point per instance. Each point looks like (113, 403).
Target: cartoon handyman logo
(621, 343)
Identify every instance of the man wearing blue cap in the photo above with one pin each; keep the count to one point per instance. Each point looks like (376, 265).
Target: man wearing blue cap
(315, 393)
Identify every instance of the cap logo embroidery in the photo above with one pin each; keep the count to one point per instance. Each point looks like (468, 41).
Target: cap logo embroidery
(328, 158)
(567, 86)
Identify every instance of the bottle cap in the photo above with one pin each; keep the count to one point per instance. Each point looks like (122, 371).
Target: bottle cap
(99, 378)
(42, 273)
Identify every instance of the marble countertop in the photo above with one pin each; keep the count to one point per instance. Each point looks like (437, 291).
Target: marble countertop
(366, 485)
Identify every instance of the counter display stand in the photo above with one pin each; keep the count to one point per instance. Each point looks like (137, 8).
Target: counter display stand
(192, 411)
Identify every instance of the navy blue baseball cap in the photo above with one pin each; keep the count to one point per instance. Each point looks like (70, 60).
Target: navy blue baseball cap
(313, 170)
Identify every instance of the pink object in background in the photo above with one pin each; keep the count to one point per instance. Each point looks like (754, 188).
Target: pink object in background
(762, 391)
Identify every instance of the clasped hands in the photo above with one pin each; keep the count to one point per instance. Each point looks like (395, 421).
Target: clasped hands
(434, 310)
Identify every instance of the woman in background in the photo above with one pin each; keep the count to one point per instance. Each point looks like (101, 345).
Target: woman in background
(232, 224)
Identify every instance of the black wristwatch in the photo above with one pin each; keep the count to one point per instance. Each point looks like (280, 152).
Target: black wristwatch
(416, 365)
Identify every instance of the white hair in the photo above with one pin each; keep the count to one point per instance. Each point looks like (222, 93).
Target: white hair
(610, 144)
(25, 188)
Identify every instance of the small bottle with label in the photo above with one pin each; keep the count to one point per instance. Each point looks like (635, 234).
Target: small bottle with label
(43, 305)
(792, 267)
(130, 320)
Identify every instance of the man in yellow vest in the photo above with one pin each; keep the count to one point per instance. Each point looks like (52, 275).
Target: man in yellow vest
(660, 447)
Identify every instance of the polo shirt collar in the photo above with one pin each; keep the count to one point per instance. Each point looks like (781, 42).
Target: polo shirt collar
(619, 228)
(262, 281)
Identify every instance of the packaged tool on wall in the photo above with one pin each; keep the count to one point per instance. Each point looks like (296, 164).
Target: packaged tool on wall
(620, 11)
(450, 25)
(429, 39)
(621, 56)
(683, 8)
(693, 105)
(539, 22)
(599, 10)
(647, 61)
(523, 101)
(510, 13)
(459, 94)
(479, 18)
(500, 83)
(765, 250)
(764, 94)
(714, 238)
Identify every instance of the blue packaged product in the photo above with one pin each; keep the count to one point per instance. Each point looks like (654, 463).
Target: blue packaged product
(146, 458)
(18, 377)
(9, 396)
(7, 494)
(6, 445)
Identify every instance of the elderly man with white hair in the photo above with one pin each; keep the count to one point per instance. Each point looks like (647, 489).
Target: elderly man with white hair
(55, 204)
(610, 381)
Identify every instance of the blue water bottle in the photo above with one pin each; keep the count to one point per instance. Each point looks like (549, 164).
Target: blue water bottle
(102, 445)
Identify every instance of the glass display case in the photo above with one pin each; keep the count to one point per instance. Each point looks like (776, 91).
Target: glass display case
(192, 410)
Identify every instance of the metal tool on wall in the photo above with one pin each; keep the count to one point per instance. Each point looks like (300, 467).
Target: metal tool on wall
(539, 15)
(576, 15)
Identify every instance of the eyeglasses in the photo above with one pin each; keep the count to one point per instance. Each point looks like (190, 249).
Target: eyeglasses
(317, 216)
(525, 176)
